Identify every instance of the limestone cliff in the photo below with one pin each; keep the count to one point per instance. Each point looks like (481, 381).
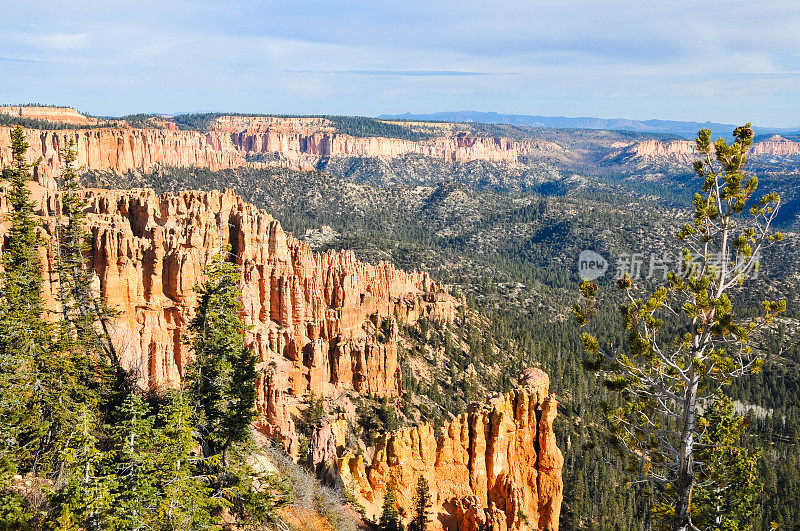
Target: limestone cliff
(63, 115)
(232, 141)
(776, 146)
(683, 151)
(307, 310)
(124, 149)
(497, 465)
(235, 142)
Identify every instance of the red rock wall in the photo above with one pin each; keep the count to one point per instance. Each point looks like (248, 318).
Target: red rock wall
(683, 151)
(123, 150)
(330, 144)
(490, 466)
(307, 310)
(299, 142)
(64, 115)
(126, 149)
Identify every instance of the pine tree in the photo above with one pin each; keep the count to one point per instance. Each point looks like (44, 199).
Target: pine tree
(22, 273)
(86, 496)
(727, 491)
(662, 377)
(186, 497)
(30, 378)
(134, 465)
(388, 415)
(41, 390)
(726, 496)
(422, 504)
(390, 518)
(222, 377)
(84, 313)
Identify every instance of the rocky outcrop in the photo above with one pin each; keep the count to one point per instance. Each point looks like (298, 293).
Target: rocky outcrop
(233, 141)
(309, 312)
(122, 150)
(684, 152)
(497, 465)
(776, 146)
(61, 115)
(238, 141)
(458, 148)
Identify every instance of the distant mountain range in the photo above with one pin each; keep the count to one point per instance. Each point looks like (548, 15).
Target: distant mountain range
(684, 129)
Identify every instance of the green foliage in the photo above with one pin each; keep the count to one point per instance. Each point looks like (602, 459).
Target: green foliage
(727, 492)
(360, 126)
(357, 126)
(145, 480)
(23, 278)
(390, 518)
(388, 415)
(421, 506)
(199, 121)
(85, 315)
(375, 416)
(34, 123)
(26, 369)
(107, 457)
(186, 499)
(312, 415)
(221, 384)
(50, 386)
(683, 342)
(309, 421)
(86, 496)
(726, 497)
(222, 378)
(134, 465)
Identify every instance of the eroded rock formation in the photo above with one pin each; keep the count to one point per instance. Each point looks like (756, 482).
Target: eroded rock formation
(64, 115)
(498, 464)
(320, 323)
(684, 152)
(230, 141)
(236, 141)
(776, 146)
(124, 149)
(308, 312)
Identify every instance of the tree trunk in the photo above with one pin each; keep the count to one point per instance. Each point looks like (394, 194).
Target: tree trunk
(686, 473)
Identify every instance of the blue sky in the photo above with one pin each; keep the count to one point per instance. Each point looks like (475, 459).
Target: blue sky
(721, 61)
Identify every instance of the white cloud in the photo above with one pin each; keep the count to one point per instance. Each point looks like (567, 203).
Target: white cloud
(682, 59)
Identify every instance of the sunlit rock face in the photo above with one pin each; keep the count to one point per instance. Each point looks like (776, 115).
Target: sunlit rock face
(496, 465)
(108, 145)
(233, 142)
(64, 115)
(684, 151)
(311, 316)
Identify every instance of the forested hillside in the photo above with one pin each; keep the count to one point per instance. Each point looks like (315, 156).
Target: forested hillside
(514, 255)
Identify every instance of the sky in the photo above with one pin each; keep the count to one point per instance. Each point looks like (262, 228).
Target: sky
(726, 61)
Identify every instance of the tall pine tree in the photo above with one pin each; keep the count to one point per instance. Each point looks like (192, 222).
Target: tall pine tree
(84, 312)
(222, 377)
(35, 379)
(390, 519)
(86, 496)
(187, 500)
(422, 505)
(686, 340)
